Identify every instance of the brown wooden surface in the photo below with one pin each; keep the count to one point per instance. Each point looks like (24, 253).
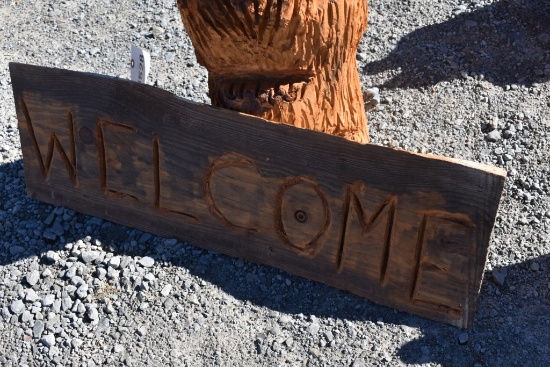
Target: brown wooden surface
(404, 230)
(289, 61)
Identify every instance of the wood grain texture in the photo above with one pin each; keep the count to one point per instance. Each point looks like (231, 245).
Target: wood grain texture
(405, 230)
(289, 61)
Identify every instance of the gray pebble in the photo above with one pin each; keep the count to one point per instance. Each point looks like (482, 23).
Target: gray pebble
(89, 256)
(359, 362)
(71, 290)
(157, 31)
(53, 352)
(285, 319)
(78, 307)
(52, 256)
(66, 303)
(313, 328)
(169, 303)
(112, 273)
(30, 295)
(32, 277)
(170, 242)
(95, 221)
(49, 235)
(166, 290)
(49, 219)
(82, 291)
(71, 273)
(118, 348)
(38, 328)
(507, 134)
(48, 340)
(142, 331)
(194, 300)
(146, 261)
(145, 237)
(315, 352)
(36, 310)
(17, 307)
(372, 98)
(56, 307)
(460, 9)
(26, 316)
(92, 313)
(239, 263)
(57, 229)
(499, 276)
(101, 273)
(124, 261)
(76, 343)
(114, 262)
(109, 309)
(535, 266)
(104, 325)
(47, 273)
(493, 136)
(275, 330)
(463, 338)
(48, 300)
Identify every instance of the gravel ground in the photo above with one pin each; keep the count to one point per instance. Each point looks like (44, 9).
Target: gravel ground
(464, 79)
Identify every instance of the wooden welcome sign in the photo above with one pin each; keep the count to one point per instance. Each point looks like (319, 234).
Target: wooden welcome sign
(405, 230)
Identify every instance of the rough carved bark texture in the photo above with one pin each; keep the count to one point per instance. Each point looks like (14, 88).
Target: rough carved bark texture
(289, 61)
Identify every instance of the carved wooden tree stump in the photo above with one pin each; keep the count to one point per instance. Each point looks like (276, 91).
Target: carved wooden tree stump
(289, 61)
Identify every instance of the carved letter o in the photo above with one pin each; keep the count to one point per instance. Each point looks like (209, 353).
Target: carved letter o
(302, 215)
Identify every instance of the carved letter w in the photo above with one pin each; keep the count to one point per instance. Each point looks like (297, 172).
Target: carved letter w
(46, 164)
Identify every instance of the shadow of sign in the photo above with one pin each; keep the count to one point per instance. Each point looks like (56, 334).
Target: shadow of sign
(507, 330)
(508, 42)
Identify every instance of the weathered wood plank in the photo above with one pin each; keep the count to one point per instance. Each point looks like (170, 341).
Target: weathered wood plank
(405, 230)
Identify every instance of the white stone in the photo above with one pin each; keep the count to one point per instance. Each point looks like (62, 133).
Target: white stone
(166, 290)
(30, 295)
(146, 261)
(33, 277)
(115, 262)
(48, 300)
(17, 307)
(48, 340)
